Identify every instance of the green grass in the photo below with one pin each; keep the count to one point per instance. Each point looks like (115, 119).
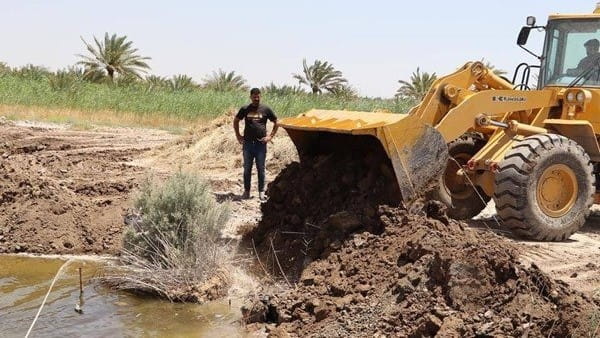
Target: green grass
(183, 106)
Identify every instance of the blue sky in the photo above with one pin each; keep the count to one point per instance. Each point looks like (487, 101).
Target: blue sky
(374, 43)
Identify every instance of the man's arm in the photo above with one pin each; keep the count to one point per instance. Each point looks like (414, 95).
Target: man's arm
(579, 69)
(273, 131)
(271, 116)
(236, 128)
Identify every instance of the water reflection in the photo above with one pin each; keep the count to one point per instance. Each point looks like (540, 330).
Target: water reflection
(24, 282)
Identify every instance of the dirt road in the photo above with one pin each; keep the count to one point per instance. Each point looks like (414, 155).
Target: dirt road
(67, 191)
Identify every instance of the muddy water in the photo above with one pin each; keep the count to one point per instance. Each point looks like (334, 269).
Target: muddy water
(24, 282)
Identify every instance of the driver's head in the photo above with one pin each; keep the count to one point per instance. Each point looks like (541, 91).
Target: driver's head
(592, 46)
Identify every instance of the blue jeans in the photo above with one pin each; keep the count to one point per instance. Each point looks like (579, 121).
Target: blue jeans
(254, 150)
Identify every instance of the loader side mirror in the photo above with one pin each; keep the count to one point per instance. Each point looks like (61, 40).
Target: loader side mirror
(531, 21)
(523, 36)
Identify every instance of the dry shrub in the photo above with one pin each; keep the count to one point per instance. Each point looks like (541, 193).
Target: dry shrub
(171, 248)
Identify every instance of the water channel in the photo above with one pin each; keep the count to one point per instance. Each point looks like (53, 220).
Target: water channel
(24, 282)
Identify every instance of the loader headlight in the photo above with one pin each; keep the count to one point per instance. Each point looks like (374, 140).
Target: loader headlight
(578, 96)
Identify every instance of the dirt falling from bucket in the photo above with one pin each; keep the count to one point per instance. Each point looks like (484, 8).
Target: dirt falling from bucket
(361, 265)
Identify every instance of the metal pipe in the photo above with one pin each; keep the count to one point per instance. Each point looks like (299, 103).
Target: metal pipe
(526, 129)
(511, 126)
(498, 124)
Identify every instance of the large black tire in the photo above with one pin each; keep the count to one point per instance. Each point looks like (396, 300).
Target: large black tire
(464, 201)
(539, 162)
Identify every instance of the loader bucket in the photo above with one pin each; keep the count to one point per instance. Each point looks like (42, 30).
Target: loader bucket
(417, 152)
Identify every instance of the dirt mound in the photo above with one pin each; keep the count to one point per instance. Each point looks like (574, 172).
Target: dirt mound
(313, 206)
(65, 191)
(363, 268)
(213, 145)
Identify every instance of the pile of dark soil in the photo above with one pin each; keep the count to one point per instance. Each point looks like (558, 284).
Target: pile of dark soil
(313, 207)
(363, 268)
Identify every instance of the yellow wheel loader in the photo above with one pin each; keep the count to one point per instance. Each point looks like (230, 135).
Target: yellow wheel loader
(477, 136)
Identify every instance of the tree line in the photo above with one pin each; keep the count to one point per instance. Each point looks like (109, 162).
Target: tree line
(115, 61)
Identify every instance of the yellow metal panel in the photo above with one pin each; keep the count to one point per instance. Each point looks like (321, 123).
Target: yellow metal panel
(579, 131)
(418, 154)
(486, 181)
(340, 121)
(456, 87)
(495, 149)
(573, 16)
(494, 103)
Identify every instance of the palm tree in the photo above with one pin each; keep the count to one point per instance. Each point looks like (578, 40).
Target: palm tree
(283, 90)
(113, 55)
(417, 86)
(155, 82)
(181, 83)
(225, 81)
(94, 75)
(320, 75)
(344, 92)
(490, 66)
(4, 68)
(30, 71)
(67, 80)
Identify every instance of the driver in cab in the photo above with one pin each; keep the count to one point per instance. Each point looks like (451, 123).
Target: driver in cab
(592, 47)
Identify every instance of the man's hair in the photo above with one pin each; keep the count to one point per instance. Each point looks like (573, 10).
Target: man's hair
(592, 42)
(254, 91)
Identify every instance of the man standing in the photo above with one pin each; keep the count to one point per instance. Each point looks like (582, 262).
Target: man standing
(255, 139)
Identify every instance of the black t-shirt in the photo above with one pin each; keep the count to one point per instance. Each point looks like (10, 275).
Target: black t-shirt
(255, 121)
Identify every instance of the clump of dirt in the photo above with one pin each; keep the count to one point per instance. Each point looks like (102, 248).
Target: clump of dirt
(364, 266)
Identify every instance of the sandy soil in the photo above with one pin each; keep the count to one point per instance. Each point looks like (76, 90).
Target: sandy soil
(576, 261)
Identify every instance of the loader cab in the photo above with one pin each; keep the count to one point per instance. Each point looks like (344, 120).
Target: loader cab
(571, 56)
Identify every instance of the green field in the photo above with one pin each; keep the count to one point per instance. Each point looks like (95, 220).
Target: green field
(184, 106)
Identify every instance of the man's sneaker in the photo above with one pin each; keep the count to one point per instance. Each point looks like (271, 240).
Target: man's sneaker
(246, 195)
(262, 196)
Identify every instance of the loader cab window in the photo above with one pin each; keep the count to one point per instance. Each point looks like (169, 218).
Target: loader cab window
(572, 54)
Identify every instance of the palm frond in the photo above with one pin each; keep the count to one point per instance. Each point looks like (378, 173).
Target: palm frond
(490, 66)
(320, 76)
(273, 89)
(113, 55)
(417, 86)
(225, 81)
(181, 83)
